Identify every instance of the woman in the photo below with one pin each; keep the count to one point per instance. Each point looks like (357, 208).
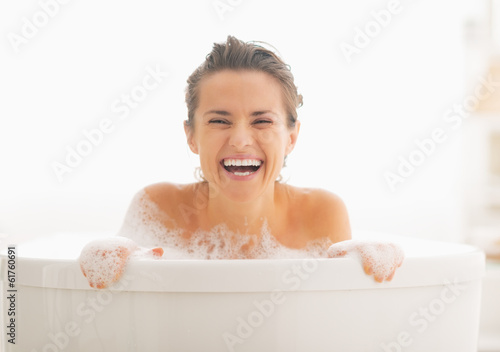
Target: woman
(242, 122)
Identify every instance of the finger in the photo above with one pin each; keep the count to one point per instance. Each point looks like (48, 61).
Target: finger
(368, 268)
(117, 276)
(379, 278)
(337, 253)
(399, 254)
(391, 275)
(158, 252)
(401, 259)
(82, 269)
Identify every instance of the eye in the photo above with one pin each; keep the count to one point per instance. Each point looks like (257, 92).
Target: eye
(262, 122)
(218, 121)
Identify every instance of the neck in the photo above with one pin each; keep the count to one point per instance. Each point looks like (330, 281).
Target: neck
(241, 217)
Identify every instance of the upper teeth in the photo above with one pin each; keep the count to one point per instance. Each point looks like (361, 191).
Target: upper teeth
(242, 162)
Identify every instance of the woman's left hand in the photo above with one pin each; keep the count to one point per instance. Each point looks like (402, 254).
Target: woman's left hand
(380, 259)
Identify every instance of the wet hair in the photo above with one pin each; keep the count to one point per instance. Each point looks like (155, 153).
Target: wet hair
(237, 55)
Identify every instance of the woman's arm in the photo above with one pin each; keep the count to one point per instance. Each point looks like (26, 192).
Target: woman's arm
(378, 258)
(103, 261)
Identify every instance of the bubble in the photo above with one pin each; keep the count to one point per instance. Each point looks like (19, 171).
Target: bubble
(383, 257)
(145, 225)
(102, 261)
(378, 258)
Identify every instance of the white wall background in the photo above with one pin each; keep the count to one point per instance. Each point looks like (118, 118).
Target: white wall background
(357, 118)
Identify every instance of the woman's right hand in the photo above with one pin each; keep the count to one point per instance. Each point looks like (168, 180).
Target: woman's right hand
(103, 261)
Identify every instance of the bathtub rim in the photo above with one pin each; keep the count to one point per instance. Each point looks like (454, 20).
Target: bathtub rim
(256, 275)
(427, 263)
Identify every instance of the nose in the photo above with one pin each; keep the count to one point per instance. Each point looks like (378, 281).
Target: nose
(241, 136)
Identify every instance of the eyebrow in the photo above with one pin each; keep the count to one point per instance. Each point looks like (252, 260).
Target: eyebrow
(226, 113)
(217, 112)
(258, 113)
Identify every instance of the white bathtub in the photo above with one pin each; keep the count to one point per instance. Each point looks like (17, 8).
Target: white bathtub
(431, 305)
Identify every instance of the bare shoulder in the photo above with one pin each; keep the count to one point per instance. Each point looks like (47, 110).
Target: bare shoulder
(180, 202)
(155, 197)
(164, 193)
(156, 205)
(324, 213)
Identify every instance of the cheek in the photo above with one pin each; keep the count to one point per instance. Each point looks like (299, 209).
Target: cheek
(266, 137)
(209, 142)
(209, 147)
(274, 141)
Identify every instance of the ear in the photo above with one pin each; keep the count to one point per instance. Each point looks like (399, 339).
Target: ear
(188, 130)
(294, 134)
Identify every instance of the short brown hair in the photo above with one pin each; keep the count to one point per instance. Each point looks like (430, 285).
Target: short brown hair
(235, 54)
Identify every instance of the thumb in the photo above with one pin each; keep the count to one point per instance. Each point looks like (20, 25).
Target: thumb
(335, 251)
(157, 252)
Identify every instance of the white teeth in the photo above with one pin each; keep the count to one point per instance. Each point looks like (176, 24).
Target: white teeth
(242, 162)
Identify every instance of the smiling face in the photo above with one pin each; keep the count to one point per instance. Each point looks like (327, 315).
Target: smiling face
(240, 132)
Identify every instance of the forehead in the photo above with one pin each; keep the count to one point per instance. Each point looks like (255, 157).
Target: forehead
(243, 90)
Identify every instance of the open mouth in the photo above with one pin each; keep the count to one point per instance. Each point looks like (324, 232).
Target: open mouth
(241, 167)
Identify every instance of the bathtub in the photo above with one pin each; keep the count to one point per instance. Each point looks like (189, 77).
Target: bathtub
(432, 304)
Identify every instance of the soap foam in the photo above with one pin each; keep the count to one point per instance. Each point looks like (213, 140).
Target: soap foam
(102, 261)
(378, 258)
(145, 225)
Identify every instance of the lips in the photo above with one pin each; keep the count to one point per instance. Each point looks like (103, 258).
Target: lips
(241, 167)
